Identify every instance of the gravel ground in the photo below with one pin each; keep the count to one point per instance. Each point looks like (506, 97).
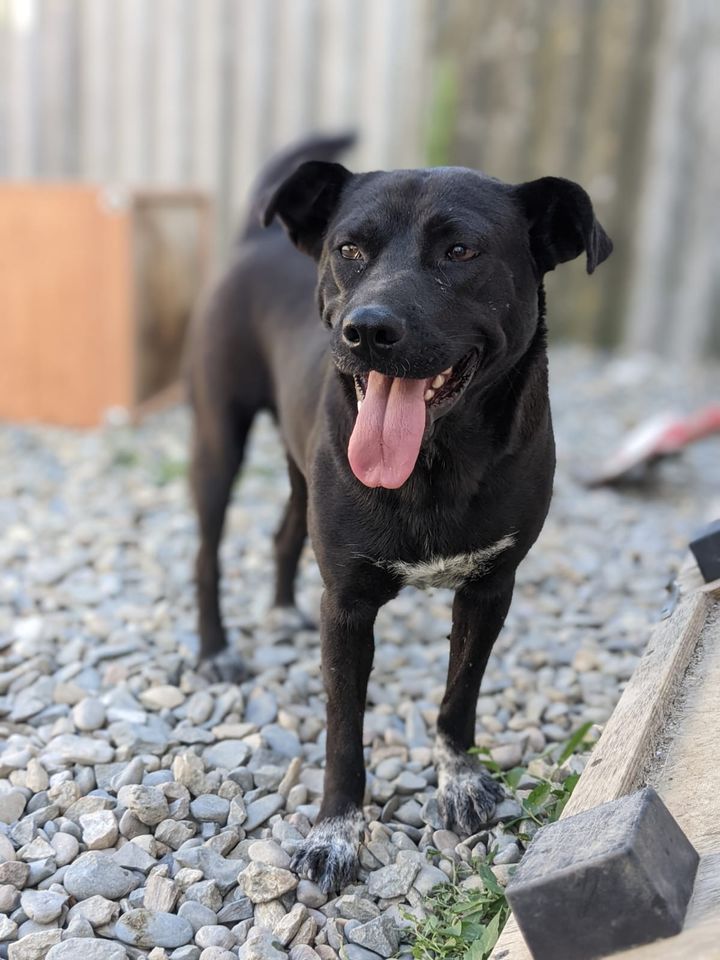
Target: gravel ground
(142, 807)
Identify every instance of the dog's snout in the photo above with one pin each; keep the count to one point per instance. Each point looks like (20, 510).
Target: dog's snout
(372, 329)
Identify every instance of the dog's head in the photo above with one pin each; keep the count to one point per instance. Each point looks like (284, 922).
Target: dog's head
(429, 282)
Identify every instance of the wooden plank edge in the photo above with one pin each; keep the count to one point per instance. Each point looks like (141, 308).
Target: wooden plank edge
(633, 729)
(699, 943)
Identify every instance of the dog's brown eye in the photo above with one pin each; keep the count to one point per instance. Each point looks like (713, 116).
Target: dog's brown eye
(350, 252)
(459, 252)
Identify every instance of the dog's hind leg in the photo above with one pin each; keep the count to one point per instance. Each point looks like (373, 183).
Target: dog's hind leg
(467, 794)
(216, 459)
(289, 541)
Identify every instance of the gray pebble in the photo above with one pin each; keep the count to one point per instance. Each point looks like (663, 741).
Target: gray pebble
(12, 804)
(208, 806)
(68, 748)
(353, 951)
(217, 953)
(97, 910)
(34, 946)
(88, 714)
(262, 883)
(409, 782)
(233, 911)
(393, 881)
(261, 709)
(100, 829)
(267, 851)
(143, 928)
(8, 928)
(197, 914)
(213, 866)
(94, 874)
(74, 947)
(214, 935)
(227, 754)
(43, 906)
(190, 952)
(148, 804)
(310, 894)
(261, 810)
(410, 813)
(379, 935)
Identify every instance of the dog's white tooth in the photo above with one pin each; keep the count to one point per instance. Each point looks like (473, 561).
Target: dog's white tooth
(359, 405)
(429, 394)
(446, 373)
(439, 381)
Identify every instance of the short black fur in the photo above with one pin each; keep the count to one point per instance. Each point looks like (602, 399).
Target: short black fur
(481, 486)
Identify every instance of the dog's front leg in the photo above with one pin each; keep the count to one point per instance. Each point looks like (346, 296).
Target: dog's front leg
(467, 794)
(329, 855)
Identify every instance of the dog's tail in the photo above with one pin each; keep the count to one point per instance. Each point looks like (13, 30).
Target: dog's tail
(281, 166)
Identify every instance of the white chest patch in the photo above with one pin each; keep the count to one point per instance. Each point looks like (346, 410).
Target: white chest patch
(449, 572)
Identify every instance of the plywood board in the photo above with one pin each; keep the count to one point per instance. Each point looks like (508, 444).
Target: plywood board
(64, 303)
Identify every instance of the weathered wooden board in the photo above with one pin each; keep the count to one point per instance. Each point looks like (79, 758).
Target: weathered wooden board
(662, 732)
(700, 943)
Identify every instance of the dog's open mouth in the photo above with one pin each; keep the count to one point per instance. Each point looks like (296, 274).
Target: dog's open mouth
(393, 414)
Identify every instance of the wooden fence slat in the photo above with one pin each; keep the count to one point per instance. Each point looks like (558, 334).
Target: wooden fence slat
(207, 134)
(135, 113)
(22, 147)
(6, 92)
(375, 82)
(615, 95)
(653, 239)
(295, 48)
(170, 92)
(256, 33)
(697, 282)
(411, 83)
(97, 137)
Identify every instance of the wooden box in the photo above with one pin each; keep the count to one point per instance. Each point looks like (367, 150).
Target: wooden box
(97, 286)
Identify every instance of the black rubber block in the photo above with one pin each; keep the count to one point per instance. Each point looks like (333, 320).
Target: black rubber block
(706, 550)
(616, 876)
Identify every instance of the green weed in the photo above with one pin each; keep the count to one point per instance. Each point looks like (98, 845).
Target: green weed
(462, 923)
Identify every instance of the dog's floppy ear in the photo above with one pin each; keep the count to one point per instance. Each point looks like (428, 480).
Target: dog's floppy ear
(562, 223)
(305, 202)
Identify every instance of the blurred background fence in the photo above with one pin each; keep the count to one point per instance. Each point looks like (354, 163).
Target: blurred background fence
(623, 97)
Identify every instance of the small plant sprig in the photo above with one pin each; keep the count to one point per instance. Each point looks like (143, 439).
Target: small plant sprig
(462, 923)
(459, 922)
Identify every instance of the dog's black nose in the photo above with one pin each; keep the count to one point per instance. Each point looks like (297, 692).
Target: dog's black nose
(372, 329)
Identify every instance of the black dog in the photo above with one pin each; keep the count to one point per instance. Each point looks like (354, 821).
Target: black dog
(415, 419)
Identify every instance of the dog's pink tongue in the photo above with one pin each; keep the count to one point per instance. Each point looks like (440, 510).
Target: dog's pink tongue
(386, 439)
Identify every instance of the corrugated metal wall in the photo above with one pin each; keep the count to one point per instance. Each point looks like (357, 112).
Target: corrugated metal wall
(198, 92)
(623, 97)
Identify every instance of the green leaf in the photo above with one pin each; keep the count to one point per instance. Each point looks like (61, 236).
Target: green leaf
(574, 742)
(513, 777)
(538, 795)
(492, 932)
(490, 880)
(475, 951)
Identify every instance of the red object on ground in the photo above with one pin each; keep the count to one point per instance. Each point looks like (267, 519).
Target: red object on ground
(659, 437)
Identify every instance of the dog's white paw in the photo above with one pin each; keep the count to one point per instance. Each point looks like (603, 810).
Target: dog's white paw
(467, 794)
(329, 855)
(467, 801)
